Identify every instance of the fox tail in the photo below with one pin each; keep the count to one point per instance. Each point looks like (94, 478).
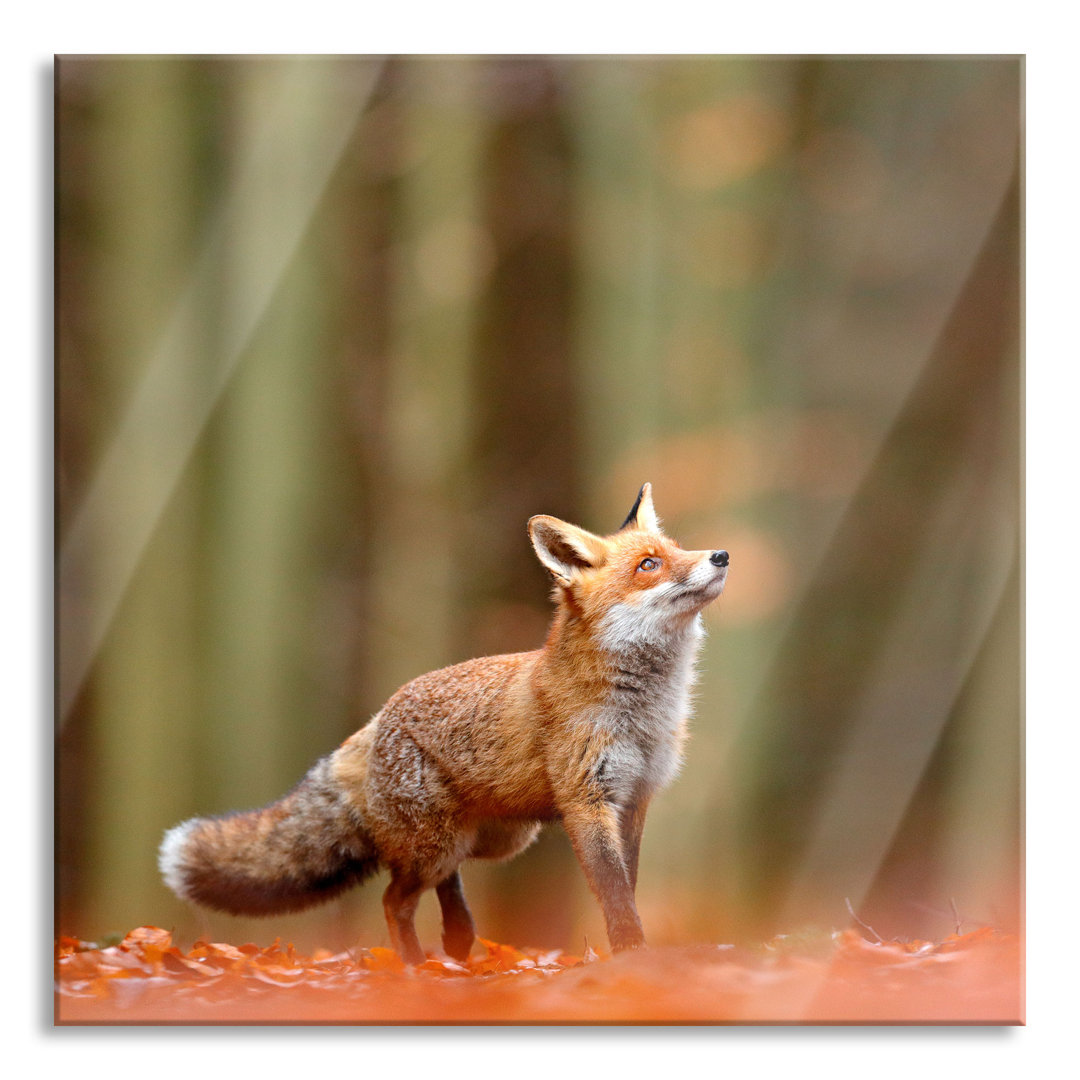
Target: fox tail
(300, 851)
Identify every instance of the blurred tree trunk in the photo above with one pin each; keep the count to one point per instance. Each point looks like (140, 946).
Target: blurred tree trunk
(276, 474)
(146, 193)
(438, 261)
(885, 639)
(620, 217)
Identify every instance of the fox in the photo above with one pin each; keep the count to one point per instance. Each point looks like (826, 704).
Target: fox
(471, 761)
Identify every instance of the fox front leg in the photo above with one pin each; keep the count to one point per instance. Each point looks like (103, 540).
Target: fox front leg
(631, 825)
(595, 834)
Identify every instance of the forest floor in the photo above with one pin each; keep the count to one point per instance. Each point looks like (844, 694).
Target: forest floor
(837, 978)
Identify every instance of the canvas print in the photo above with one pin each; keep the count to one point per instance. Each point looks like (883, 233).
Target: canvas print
(539, 540)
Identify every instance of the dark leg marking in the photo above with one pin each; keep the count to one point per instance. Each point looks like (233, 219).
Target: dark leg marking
(459, 932)
(631, 826)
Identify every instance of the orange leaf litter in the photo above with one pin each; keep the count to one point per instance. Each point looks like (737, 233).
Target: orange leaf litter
(146, 979)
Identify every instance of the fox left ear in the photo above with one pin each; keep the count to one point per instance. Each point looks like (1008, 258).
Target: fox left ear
(563, 548)
(642, 514)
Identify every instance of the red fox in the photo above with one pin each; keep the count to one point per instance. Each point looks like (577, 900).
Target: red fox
(470, 761)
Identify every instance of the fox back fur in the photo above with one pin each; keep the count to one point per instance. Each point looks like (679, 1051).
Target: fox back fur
(469, 762)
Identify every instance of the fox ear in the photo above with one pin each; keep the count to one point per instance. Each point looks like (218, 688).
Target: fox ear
(642, 514)
(564, 548)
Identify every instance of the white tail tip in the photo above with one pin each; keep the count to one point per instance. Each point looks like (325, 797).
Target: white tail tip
(171, 857)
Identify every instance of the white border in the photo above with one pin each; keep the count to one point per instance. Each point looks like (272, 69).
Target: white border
(34, 33)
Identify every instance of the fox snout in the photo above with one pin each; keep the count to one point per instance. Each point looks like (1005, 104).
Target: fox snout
(708, 578)
(714, 569)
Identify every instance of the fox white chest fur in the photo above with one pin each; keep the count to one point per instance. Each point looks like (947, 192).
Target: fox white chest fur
(469, 762)
(649, 704)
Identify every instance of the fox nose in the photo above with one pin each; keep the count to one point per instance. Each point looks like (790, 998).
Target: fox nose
(719, 558)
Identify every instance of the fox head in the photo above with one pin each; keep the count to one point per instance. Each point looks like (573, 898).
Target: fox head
(635, 585)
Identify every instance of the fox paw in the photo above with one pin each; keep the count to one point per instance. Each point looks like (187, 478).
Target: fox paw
(627, 937)
(458, 943)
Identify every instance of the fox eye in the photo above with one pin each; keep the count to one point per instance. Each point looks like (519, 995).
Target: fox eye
(649, 564)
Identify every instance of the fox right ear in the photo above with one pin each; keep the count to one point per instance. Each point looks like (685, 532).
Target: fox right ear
(642, 514)
(564, 548)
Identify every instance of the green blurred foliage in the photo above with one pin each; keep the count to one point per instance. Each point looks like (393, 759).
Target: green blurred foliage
(331, 329)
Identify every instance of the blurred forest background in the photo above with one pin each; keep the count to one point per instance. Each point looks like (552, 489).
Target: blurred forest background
(329, 330)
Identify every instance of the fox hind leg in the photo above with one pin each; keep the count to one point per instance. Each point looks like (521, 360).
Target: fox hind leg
(459, 931)
(399, 902)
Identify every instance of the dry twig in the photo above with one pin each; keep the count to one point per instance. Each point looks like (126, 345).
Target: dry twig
(865, 926)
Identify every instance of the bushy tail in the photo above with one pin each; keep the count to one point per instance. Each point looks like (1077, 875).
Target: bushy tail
(300, 851)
